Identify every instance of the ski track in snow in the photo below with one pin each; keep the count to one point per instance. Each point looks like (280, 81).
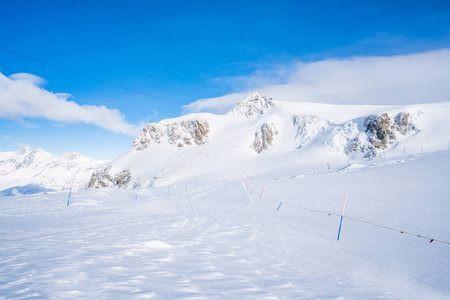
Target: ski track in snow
(216, 241)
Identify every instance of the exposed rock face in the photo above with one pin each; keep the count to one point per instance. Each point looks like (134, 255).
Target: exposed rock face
(405, 123)
(102, 178)
(187, 132)
(303, 122)
(123, 178)
(152, 133)
(255, 104)
(264, 137)
(353, 145)
(380, 130)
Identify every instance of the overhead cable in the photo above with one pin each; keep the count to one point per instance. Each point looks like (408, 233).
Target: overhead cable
(88, 76)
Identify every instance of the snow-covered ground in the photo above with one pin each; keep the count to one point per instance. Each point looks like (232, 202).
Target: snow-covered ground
(209, 238)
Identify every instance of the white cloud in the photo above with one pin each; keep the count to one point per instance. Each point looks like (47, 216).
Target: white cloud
(402, 79)
(218, 105)
(36, 80)
(20, 97)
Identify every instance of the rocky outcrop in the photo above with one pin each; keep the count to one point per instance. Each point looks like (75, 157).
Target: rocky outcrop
(151, 134)
(188, 132)
(255, 104)
(264, 137)
(100, 178)
(103, 178)
(303, 122)
(353, 146)
(381, 131)
(123, 178)
(405, 123)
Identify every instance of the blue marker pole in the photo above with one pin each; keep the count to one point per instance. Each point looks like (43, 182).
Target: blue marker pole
(342, 216)
(279, 205)
(282, 201)
(70, 192)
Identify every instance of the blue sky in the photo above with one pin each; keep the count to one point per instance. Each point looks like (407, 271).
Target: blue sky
(185, 51)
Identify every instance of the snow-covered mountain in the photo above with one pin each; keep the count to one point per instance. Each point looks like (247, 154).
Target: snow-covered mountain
(262, 135)
(33, 170)
(246, 205)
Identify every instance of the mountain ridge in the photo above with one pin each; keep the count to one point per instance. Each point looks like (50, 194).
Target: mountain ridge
(259, 135)
(262, 134)
(40, 170)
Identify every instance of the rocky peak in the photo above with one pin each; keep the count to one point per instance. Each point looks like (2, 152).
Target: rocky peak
(254, 104)
(29, 158)
(24, 150)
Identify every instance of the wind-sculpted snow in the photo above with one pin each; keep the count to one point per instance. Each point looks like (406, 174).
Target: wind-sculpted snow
(308, 126)
(187, 132)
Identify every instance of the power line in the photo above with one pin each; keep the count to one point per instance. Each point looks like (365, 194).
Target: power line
(89, 76)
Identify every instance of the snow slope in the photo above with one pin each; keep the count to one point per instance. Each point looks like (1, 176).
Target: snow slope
(35, 170)
(261, 134)
(216, 239)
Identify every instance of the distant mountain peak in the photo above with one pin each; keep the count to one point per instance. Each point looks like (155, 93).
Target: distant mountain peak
(34, 166)
(24, 150)
(254, 104)
(256, 96)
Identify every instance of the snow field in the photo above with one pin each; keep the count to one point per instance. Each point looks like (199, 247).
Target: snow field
(206, 238)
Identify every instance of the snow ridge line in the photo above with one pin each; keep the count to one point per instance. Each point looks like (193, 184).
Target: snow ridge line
(347, 217)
